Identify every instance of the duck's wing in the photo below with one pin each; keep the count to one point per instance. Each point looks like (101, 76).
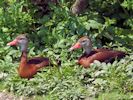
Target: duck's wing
(105, 56)
(37, 60)
(44, 63)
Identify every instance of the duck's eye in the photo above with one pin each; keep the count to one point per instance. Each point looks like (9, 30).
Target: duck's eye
(83, 41)
(21, 38)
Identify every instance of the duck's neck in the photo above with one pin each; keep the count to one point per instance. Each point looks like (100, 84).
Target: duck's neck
(23, 47)
(87, 50)
(23, 60)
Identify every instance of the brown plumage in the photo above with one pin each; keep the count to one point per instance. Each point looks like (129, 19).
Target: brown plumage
(102, 54)
(28, 68)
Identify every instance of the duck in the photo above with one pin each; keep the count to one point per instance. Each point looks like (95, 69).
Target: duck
(28, 68)
(90, 55)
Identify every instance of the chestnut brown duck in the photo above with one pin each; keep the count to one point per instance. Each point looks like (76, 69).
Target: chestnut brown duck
(101, 54)
(28, 68)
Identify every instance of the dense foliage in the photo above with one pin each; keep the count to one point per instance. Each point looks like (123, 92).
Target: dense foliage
(107, 22)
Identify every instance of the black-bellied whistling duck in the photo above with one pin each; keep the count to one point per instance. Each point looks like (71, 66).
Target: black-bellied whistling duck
(28, 68)
(102, 55)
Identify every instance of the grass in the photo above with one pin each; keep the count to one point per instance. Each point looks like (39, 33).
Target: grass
(57, 32)
(115, 96)
(68, 81)
(100, 81)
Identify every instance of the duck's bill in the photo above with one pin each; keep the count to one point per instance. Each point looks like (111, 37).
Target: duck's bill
(75, 46)
(13, 43)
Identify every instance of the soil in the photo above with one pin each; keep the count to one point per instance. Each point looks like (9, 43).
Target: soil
(9, 96)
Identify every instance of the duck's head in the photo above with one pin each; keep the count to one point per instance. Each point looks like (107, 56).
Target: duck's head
(83, 42)
(21, 41)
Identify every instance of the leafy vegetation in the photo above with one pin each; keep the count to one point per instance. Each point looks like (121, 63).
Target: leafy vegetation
(106, 22)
